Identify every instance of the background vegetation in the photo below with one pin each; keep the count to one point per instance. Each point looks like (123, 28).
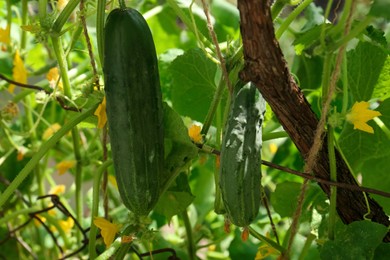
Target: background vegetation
(55, 163)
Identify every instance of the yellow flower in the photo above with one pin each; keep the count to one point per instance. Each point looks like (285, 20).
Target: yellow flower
(66, 225)
(273, 148)
(112, 180)
(58, 189)
(61, 4)
(194, 133)
(265, 251)
(53, 77)
(51, 131)
(19, 72)
(108, 229)
(360, 114)
(100, 112)
(65, 165)
(37, 222)
(4, 35)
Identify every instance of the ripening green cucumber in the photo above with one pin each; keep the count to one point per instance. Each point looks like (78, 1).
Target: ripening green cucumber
(134, 108)
(240, 173)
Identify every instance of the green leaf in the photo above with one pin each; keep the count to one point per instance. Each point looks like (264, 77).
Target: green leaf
(382, 87)
(308, 71)
(364, 65)
(380, 8)
(284, 198)
(179, 149)
(376, 35)
(308, 38)
(10, 248)
(226, 13)
(382, 252)
(368, 154)
(358, 146)
(176, 199)
(357, 241)
(193, 84)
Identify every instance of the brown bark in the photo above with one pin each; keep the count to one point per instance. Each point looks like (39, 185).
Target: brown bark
(267, 68)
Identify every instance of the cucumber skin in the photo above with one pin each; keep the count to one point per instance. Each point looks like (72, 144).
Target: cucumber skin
(134, 109)
(240, 173)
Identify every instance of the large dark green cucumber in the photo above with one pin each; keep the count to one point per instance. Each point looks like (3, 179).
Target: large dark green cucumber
(134, 108)
(240, 173)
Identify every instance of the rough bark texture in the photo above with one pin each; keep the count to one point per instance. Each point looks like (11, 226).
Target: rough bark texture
(266, 67)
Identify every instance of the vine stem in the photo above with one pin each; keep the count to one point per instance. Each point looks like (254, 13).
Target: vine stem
(95, 207)
(64, 16)
(318, 136)
(283, 27)
(122, 4)
(42, 152)
(213, 36)
(190, 240)
(213, 107)
(266, 240)
(59, 52)
(110, 251)
(100, 14)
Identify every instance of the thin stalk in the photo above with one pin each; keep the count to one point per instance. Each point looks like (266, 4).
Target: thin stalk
(14, 215)
(277, 7)
(266, 240)
(309, 240)
(327, 11)
(64, 16)
(344, 79)
(352, 34)
(326, 72)
(213, 107)
(218, 205)
(95, 207)
(24, 22)
(100, 15)
(274, 135)
(42, 11)
(59, 52)
(187, 21)
(190, 240)
(106, 255)
(42, 152)
(122, 4)
(286, 23)
(341, 23)
(125, 247)
(333, 189)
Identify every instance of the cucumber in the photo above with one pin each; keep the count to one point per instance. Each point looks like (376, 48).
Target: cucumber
(240, 173)
(134, 109)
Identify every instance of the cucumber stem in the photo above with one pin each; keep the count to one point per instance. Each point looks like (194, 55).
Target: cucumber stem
(122, 4)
